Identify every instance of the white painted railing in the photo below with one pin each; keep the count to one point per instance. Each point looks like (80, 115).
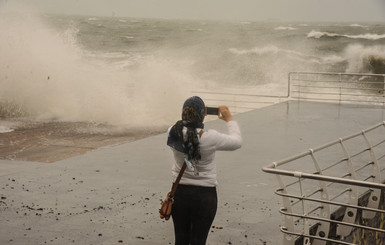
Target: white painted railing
(239, 102)
(334, 194)
(315, 86)
(337, 87)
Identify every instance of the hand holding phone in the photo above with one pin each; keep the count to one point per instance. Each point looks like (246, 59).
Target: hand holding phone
(222, 112)
(225, 113)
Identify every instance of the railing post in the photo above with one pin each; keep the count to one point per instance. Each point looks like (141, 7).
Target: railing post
(350, 213)
(375, 195)
(340, 87)
(299, 87)
(324, 227)
(289, 221)
(383, 97)
(306, 226)
(383, 91)
(288, 85)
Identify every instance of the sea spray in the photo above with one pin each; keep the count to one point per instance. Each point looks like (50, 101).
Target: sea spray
(139, 71)
(367, 36)
(363, 59)
(273, 63)
(48, 75)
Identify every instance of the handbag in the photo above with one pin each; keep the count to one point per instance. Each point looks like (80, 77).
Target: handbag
(166, 207)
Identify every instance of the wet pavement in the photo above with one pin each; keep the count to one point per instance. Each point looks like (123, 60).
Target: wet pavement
(53, 141)
(112, 195)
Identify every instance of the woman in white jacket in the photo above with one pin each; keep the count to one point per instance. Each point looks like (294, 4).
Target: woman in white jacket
(196, 198)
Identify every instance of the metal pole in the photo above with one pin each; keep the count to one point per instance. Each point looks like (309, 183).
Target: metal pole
(340, 87)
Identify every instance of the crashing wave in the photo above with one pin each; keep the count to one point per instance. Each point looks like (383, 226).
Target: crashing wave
(367, 36)
(4, 129)
(285, 28)
(291, 54)
(258, 51)
(270, 49)
(318, 34)
(363, 59)
(358, 25)
(47, 74)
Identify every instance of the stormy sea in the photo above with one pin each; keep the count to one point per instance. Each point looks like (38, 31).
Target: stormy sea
(87, 74)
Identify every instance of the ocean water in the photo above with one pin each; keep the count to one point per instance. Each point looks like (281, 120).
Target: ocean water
(138, 72)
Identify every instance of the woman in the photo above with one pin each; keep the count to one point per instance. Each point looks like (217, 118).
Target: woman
(196, 198)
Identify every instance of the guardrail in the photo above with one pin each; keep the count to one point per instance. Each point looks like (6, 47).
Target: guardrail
(337, 87)
(240, 99)
(314, 86)
(331, 194)
(240, 102)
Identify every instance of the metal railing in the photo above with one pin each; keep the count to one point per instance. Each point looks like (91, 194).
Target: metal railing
(331, 194)
(337, 87)
(239, 101)
(314, 86)
(338, 195)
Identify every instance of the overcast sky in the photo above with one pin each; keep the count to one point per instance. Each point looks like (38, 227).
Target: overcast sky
(282, 10)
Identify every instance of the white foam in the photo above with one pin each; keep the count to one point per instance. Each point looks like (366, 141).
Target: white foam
(360, 58)
(285, 28)
(318, 34)
(257, 50)
(367, 36)
(48, 74)
(358, 25)
(332, 59)
(267, 50)
(4, 129)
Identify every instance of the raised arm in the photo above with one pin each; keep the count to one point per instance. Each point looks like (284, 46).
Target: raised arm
(233, 139)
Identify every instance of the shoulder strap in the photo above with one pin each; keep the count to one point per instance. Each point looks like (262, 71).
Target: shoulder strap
(200, 133)
(176, 183)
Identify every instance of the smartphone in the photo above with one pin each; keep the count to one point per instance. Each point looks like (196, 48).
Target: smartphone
(212, 111)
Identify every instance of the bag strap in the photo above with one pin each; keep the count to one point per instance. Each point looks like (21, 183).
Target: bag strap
(176, 183)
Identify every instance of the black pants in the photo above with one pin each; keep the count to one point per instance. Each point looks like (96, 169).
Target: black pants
(193, 213)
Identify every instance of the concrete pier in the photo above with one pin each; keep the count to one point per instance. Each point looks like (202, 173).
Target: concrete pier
(112, 195)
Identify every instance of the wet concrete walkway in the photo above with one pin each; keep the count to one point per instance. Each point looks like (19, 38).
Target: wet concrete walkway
(112, 195)
(55, 141)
